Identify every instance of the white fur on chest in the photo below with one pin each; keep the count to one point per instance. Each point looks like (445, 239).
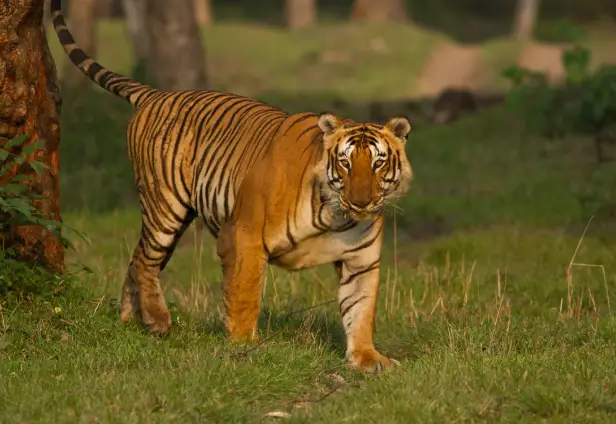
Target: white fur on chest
(303, 245)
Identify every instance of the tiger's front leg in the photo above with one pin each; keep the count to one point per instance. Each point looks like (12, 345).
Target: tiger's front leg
(244, 263)
(357, 295)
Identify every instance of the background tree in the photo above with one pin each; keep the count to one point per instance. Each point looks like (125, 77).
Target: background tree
(82, 23)
(525, 19)
(379, 10)
(104, 8)
(136, 26)
(46, 13)
(29, 104)
(203, 12)
(300, 13)
(177, 56)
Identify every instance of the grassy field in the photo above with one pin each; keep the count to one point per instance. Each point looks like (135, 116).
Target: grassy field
(493, 298)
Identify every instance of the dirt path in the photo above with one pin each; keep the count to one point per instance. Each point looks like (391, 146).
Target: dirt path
(543, 58)
(452, 65)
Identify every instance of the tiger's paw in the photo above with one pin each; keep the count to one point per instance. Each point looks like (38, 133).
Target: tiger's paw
(243, 336)
(157, 319)
(129, 310)
(370, 361)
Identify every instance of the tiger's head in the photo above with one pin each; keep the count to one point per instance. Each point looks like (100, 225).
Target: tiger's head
(364, 164)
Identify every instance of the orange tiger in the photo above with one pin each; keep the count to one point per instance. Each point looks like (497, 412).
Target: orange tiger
(295, 191)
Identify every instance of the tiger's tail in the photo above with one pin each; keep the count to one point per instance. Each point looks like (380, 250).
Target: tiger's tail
(130, 90)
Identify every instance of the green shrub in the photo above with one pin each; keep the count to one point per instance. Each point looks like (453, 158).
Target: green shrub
(560, 31)
(583, 104)
(17, 278)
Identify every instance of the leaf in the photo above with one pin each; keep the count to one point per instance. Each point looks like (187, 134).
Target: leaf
(30, 148)
(16, 141)
(14, 188)
(18, 204)
(6, 168)
(3, 155)
(21, 177)
(38, 167)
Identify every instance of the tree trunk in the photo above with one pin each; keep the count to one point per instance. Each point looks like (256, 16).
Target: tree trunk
(176, 53)
(379, 10)
(203, 12)
(30, 104)
(300, 13)
(106, 9)
(399, 11)
(47, 14)
(136, 25)
(525, 19)
(82, 22)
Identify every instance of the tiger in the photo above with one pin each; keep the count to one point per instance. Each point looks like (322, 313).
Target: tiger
(273, 188)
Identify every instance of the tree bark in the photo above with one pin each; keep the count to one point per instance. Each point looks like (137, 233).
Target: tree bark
(300, 13)
(379, 11)
(30, 104)
(82, 23)
(525, 19)
(177, 55)
(136, 26)
(399, 11)
(47, 13)
(106, 9)
(203, 12)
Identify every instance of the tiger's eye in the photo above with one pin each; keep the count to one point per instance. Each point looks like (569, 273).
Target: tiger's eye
(345, 163)
(378, 163)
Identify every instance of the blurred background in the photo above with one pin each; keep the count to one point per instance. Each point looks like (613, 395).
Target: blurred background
(530, 145)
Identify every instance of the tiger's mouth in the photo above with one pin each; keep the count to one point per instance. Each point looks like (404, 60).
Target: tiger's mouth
(360, 212)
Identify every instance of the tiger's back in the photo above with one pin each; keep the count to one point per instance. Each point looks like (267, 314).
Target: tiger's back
(190, 150)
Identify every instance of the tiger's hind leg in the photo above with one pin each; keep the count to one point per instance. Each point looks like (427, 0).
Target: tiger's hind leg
(142, 296)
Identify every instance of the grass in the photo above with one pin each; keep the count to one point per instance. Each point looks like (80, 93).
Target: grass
(494, 296)
(494, 303)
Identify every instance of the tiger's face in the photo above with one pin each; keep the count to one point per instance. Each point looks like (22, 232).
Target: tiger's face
(365, 164)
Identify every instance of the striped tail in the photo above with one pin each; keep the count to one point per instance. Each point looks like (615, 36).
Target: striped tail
(132, 91)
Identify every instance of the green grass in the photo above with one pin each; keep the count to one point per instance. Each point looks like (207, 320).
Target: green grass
(478, 301)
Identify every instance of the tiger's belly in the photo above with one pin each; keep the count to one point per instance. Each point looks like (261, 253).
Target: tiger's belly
(323, 248)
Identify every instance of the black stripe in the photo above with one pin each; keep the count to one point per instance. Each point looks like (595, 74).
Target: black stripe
(374, 265)
(78, 56)
(348, 308)
(297, 121)
(64, 35)
(367, 243)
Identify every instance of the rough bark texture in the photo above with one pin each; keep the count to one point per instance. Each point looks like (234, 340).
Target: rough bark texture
(29, 104)
(300, 13)
(176, 53)
(379, 10)
(525, 19)
(82, 23)
(203, 12)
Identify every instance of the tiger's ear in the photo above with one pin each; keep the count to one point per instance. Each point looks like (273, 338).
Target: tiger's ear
(399, 126)
(328, 122)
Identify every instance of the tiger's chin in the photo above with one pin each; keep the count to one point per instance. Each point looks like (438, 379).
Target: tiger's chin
(362, 214)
